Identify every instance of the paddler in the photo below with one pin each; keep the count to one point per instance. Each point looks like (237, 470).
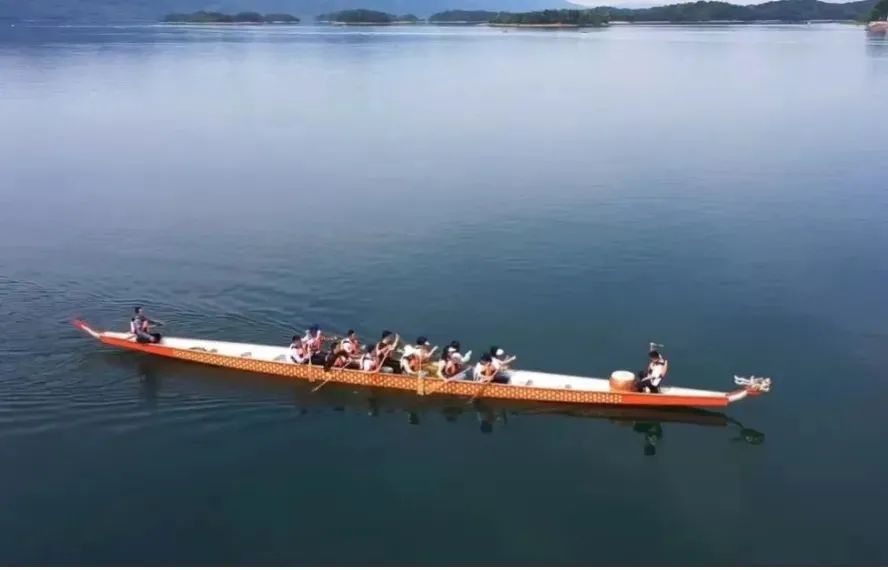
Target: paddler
(140, 326)
(454, 349)
(314, 342)
(298, 353)
(368, 359)
(387, 344)
(500, 359)
(417, 356)
(351, 344)
(450, 366)
(650, 377)
(484, 370)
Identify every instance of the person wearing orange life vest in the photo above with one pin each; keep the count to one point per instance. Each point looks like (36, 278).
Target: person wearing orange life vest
(450, 366)
(484, 370)
(351, 344)
(415, 357)
(298, 353)
(140, 326)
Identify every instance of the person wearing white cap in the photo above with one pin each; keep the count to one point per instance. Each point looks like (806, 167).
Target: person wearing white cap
(499, 359)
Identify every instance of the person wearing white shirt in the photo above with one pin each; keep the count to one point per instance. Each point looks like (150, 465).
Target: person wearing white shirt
(650, 378)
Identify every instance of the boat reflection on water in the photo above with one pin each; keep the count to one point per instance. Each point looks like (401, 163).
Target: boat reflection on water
(646, 421)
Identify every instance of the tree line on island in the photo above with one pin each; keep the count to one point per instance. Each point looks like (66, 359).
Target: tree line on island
(690, 12)
(204, 17)
(362, 16)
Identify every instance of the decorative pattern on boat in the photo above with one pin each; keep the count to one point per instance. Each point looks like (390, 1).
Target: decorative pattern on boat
(316, 373)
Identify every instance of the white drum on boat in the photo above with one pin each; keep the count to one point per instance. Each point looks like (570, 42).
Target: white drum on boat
(622, 381)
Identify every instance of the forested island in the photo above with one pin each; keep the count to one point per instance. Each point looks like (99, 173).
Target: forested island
(204, 17)
(366, 17)
(551, 19)
(690, 12)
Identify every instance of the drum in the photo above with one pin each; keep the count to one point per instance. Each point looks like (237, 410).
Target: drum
(622, 381)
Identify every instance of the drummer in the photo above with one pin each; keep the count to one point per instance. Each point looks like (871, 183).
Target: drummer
(650, 378)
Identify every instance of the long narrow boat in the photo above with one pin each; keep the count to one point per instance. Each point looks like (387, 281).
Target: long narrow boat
(522, 384)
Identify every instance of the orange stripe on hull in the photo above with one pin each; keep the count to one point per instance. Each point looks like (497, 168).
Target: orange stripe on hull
(315, 373)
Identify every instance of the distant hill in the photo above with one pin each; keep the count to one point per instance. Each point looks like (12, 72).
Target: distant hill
(154, 10)
(879, 11)
(780, 10)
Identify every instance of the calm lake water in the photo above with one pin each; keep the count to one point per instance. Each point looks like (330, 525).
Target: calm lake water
(570, 196)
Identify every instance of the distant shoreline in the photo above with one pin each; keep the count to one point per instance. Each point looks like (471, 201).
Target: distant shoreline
(397, 23)
(187, 23)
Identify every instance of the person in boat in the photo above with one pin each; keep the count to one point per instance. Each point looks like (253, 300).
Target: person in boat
(454, 348)
(140, 326)
(649, 379)
(500, 359)
(484, 370)
(344, 353)
(368, 362)
(417, 356)
(451, 365)
(299, 354)
(388, 343)
(351, 344)
(314, 342)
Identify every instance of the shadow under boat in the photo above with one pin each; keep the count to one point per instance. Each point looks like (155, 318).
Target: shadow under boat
(648, 421)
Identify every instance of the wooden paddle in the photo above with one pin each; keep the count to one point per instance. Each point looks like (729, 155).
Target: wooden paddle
(446, 380)
(484, 384)
(487, 381)
(321, 385)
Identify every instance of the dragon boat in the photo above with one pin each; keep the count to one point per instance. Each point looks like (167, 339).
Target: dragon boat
(518, 385)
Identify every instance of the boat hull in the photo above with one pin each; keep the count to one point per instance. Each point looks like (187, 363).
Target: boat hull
(422, 386)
